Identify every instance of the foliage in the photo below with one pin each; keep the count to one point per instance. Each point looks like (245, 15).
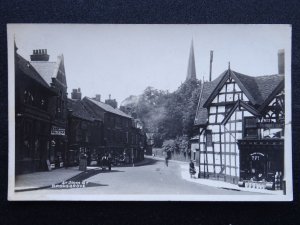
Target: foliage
(167, 115)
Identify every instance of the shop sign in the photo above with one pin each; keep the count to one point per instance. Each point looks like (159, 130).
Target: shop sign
(256, 156)
(57, 131)
(270, 125)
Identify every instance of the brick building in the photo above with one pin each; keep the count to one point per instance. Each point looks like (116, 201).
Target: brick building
(41, 116)
(120, 131)
(84, 131)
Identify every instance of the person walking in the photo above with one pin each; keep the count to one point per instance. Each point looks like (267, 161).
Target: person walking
(109, 161)
(166, 158)
(192, 169)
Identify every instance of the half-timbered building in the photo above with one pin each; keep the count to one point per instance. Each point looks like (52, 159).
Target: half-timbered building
(240, 124)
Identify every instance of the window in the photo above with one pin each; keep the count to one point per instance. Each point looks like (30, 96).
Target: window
(250, 131)
(208, 138)
(28, 98)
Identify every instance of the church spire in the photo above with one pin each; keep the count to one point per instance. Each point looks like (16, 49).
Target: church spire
(191, 72)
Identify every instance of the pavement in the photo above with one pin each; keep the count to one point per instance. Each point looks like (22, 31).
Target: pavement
(43, 180)
(221, 184)
(215, 183)
(39, 180)
(46, 179)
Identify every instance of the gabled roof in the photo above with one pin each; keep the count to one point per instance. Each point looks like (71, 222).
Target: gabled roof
(29, 70)
(107, 107)
(49, 70)
(78, 110)
(46, 69)
(208, 87)
(240, 103)
(259, 90)
(261, 87)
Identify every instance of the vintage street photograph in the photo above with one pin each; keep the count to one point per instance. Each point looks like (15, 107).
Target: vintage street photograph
(124, 112)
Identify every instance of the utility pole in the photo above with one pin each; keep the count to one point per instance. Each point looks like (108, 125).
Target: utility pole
(210, 64)
(200, 129)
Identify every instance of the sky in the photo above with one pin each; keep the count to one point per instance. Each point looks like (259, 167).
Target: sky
(123, 60)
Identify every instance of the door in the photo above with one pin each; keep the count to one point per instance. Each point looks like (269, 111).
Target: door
(257, 166)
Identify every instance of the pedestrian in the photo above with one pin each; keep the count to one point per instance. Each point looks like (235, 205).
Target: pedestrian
(166, 159)
(109, 159)
(192, 169)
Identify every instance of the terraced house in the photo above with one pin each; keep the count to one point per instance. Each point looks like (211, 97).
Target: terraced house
(41, 112)
(240, 124)
(121, 132)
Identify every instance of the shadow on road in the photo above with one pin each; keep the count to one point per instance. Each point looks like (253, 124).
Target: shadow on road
(148, 161)
(92, 184)
(89, 173)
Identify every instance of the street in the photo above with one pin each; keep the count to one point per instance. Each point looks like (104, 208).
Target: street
(153, 178)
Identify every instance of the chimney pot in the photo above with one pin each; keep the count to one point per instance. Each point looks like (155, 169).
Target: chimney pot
(76, 95)
(39, 55)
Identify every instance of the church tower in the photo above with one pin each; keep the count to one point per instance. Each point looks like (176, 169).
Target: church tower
(191, 71)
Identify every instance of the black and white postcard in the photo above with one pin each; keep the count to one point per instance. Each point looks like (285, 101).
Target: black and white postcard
(107, 112)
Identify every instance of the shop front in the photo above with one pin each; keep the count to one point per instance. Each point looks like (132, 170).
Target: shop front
(261, 163)
(58, 146)
(31, 145)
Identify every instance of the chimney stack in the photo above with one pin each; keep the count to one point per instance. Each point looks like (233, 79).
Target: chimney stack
(39, 55)
(281, 61)
(76, 94)
(98, 98)
(112, 102)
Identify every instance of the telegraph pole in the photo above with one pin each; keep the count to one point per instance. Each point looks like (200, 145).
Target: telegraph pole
(210, 64)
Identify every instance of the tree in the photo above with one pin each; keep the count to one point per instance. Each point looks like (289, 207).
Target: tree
(168, 115)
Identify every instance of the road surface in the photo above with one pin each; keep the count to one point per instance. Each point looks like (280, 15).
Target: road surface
(154, 178)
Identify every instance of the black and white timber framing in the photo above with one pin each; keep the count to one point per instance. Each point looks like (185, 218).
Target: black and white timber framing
(239, 113)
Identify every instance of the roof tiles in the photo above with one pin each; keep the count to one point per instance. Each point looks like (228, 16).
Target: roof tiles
(108, 108)
(260, 88)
